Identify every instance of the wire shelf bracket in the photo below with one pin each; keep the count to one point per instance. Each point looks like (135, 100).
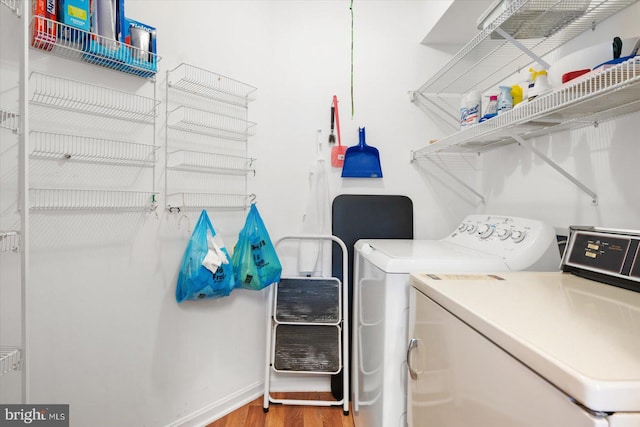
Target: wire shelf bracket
(60, 93)
(43, 199)
(56, 146)
(10, 241)
(10, 359)
(178, 202)
(204, 83)
(9, 120)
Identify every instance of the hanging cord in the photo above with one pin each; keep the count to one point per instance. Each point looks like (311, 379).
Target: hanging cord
(352, 105)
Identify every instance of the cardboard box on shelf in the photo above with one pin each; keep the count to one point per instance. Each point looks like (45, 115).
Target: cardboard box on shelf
(44, 30)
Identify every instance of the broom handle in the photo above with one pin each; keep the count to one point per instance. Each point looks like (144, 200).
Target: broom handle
(335, 106)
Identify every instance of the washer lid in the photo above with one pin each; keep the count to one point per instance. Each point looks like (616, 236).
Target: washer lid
(580, 335)
(406, 256)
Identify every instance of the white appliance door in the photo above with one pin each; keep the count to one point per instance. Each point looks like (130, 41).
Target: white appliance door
(458, 378)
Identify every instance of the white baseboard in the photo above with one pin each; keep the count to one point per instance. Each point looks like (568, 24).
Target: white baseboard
(219, 409)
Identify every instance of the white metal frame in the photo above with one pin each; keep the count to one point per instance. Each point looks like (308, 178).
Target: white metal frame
(94, 100)
(198, 102)
(270, 329)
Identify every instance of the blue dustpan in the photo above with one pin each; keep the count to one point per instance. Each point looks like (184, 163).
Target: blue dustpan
(362, 160)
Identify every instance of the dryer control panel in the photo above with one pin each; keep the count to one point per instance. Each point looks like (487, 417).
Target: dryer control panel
(607, 255)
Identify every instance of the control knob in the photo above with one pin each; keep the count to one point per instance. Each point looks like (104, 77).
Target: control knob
(471, 228)
(462, 227)
(518, 236)
(485, 230)
(503, 233)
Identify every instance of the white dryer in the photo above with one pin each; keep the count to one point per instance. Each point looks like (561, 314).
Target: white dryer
(482, 243)
(531, 348)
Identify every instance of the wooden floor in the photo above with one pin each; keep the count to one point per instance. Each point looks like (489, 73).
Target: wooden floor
(252, 414)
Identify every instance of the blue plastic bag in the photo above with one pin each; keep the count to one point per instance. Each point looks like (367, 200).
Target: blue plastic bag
(195, 281)
(255, 262)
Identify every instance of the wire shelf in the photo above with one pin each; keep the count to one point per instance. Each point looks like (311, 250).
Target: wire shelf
(56, 146)
(197, 201)
(208, 84)
(208, 123)
(75, 44)
(209, 162)
(72, 199)
(10, 241)
(52, 91)
(485, 61)
(10, 359)
(597, 96)
(12, 5)
(9, 120)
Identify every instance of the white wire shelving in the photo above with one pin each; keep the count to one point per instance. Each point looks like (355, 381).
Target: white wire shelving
(75, 44)
(10, 241)
(502, 49)
(10, 359)
(489, 58)
(188, 160)
(12, 5)
(56, 92)
(9, 120)
(596, 97)
(75, 199)
(208, 123)
(177, 202)
(204, 83)
(56, 146)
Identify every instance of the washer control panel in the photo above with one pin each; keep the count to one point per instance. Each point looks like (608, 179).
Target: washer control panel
(505, 236)
(502, 228)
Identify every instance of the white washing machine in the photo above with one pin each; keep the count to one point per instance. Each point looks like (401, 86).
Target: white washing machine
(482, 243)
(531, 349)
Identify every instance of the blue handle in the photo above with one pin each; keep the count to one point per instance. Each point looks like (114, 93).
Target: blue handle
(361, 137)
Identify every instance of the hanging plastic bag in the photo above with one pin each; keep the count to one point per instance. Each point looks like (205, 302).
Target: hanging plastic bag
(205, 271)
(255, 261)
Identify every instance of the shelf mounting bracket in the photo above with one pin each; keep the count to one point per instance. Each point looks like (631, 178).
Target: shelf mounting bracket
(524, 49)
(524, 143)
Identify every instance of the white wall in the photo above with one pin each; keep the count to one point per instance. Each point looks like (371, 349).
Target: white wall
(105, 333)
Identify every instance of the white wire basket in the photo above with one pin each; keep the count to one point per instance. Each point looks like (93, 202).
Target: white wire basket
(208, 123)
(9, 120)
(10, 359)
(74, 199)
(206, 83)
(73, 43)
(60, 93)
(10, 241)
(12, 5)
(57, 146)
(196, 201)
(209, 162)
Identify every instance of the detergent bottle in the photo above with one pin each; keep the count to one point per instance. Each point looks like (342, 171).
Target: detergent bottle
(516, 94)
(538, 83)
(505, 100)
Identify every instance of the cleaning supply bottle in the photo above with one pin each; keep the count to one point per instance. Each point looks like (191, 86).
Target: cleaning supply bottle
(474, 105)
(492, 107)
(463, 112)
(539, 83)
(505, 100)
(516, 94)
